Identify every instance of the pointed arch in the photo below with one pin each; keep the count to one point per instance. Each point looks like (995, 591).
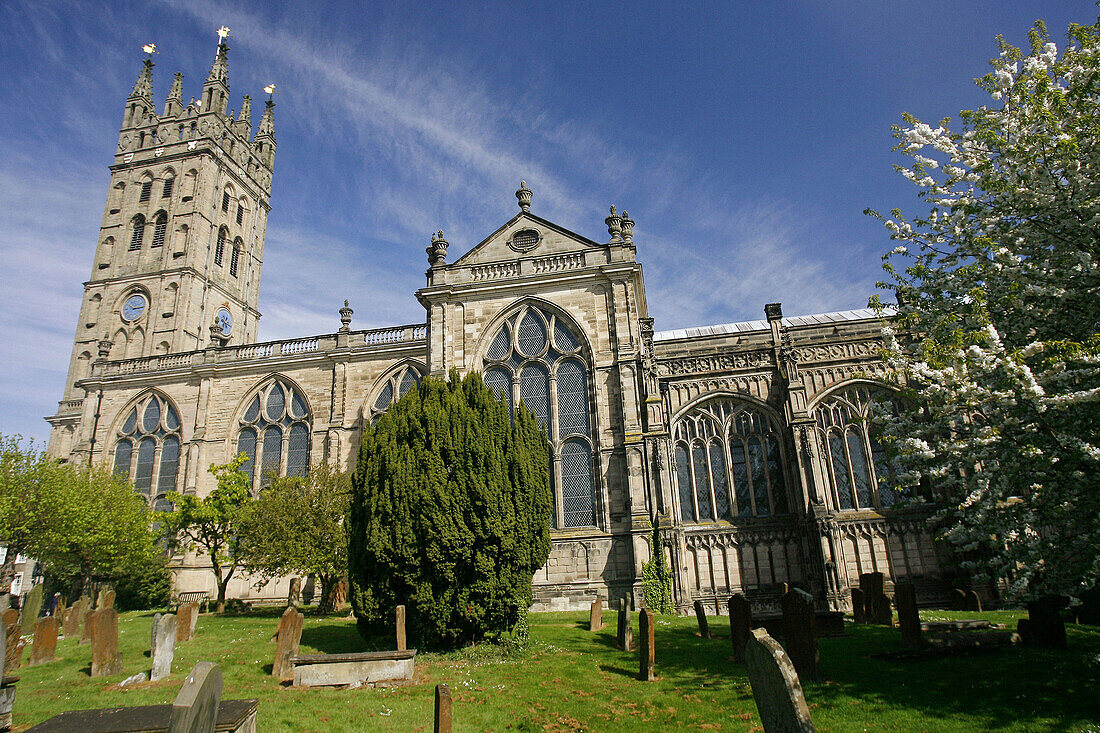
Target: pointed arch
(509, 311)
(235, 256)
(148, 444)
(398, 379)
(169, 177)
(160, 228)
(219, 248)
(136, 348)
(274, 428)
(137, 232)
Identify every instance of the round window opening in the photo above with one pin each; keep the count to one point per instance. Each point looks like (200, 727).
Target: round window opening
(525, 240)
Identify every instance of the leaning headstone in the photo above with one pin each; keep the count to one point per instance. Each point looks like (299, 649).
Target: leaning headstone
(859, 606)
(153, 634)
(187, 616)
(905, 597)
(45, 640)
(195, 709)
(106, 660)
(624, 634)
(1045, 626)
(775, 686)
(32, 606)
(973, 601)
(14, 649)
(86, 628)
(800, 632)
(295, 593)
(287, 642)
(442, 709)
(740, 624)
(646, 656)
(958, 599)
(701, 617)
(399, 623)
(163, 648)
(595, 615)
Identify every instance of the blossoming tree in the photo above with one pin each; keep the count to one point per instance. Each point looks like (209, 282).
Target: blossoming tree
(998, 318)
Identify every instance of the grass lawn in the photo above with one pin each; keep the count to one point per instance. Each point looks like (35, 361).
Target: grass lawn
(574, 680)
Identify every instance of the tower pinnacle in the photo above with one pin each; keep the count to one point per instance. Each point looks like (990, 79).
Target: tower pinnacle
(174, 104)
(143, 87)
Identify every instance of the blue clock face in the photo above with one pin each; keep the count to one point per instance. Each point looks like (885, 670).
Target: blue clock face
(134, 307)
(225, 321)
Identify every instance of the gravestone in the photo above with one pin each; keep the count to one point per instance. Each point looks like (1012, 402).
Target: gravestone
(595, 615)
(973, 601)
(14, 649)
(740, 624)
(340, 595)
(187, 616)
(624, 634)
(153, 634)
(73, 616)
(442, 709)
(32, 606)
(701, 617)
(45, 640)
(1044, 625)
(195, 709)
(294, 595)
(58, 607)
(775, 686)
(106, 599)
(646, 655)
(859, 606)
(872, 584)
(86, 628)
(800, 632)
(288, 638)
(905, 597)
(163, 648)
(399, 623)
(106, 660)
(958, 599)
(1089, 610)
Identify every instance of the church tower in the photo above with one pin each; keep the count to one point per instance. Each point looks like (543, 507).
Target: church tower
(177, 264)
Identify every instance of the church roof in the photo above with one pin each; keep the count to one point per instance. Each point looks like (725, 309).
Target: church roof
(860, 314)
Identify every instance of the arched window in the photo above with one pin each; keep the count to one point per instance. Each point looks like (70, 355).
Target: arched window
(219, 249)
(394, 388)
(226, 197)
(855, 460)
(146, 191)
(235, 257)
(147, 449)
(729, 463)
(138, 236)
(536, 358)
(275, 429)
(160, 229)
(166, 192)
(240, 211)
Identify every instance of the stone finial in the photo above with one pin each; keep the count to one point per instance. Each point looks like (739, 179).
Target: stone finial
(345, 316)
(143, 87)
(267, 122)
(217, 338)
(105, 348)
(614, 225)
(523, 195)
(773, 311)
(246, 110)
(173, 105)
(437, 252)
(628, 227)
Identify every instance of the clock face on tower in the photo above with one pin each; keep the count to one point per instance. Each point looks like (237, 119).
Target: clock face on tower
(134, 307)
(225, 321)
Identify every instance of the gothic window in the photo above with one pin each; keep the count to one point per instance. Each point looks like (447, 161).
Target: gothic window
(159, 229)
(138, 236)
(147, 449)
(225, 200)
(240, 212)
(536, 358)
(855, 460)
(167, 190)
(394, 388)
(275, 429)
(235, 257)
(729, 463)
(219, 249)
(146, 191)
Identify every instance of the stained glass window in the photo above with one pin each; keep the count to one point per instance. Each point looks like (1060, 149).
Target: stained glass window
(147, 449)
(395, 387)
(275, 429)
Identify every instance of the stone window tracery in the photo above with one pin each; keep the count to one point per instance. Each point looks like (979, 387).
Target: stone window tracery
(729, 463)
(856, 463)
(397, 384)
(147, 449)
(535, 358)
(275, 430)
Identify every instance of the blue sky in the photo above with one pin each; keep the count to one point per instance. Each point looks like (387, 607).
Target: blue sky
(745, 139)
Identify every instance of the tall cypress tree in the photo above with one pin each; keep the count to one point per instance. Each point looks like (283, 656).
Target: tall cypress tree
(450, 514)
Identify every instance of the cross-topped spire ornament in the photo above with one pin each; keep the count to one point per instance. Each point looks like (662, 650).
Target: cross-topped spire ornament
(270, 89)
(223, 33)
(149, 48)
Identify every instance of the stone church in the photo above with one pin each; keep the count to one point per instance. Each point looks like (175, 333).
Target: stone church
(744, 444)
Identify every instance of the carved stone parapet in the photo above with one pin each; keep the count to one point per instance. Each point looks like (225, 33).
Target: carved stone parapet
(715, 363)
(838, 352)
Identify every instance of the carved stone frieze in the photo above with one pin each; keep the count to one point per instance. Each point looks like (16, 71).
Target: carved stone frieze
(715, 363)
(838, 352)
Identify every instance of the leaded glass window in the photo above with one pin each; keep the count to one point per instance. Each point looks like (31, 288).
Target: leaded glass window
(857, 466)
(394, 388)
(729, 463)
(535, 357)
(275, 428)
(147, 448)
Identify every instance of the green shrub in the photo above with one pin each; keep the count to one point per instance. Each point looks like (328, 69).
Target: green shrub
(145, 585)
(450, 515)
(657, 579)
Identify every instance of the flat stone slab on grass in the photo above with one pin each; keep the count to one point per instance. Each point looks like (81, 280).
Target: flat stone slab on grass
(234, 716)
(975, 624)
(333, 670)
